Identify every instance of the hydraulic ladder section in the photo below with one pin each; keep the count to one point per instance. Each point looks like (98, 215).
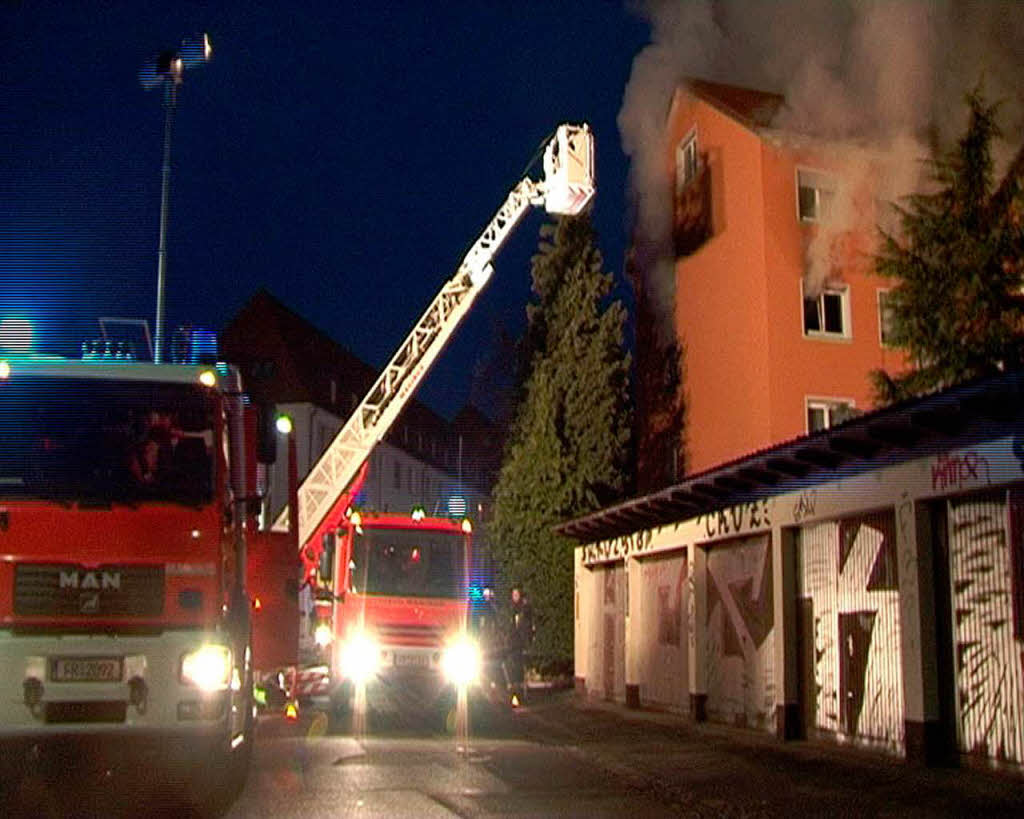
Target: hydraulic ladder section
(567, 189)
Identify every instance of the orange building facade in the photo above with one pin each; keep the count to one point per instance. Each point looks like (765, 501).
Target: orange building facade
(778, 315)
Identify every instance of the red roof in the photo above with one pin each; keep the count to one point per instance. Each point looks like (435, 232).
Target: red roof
(749, 106)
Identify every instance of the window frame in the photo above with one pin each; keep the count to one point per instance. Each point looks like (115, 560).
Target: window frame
(682, 164)
(826, 403)
(815, 175)
(881, 292)
(843, 291)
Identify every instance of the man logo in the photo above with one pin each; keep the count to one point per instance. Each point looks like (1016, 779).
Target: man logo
(89, 603)
(75, 579)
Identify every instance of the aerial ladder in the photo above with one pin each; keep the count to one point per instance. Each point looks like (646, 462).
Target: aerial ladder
(566, 189)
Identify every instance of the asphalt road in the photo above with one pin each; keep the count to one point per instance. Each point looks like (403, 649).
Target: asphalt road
(557, 757)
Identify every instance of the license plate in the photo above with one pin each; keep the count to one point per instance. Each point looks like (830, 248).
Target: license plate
(414, 660)
(86, 669)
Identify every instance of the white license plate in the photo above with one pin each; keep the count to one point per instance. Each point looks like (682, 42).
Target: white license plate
(86, 669)
(414, 660)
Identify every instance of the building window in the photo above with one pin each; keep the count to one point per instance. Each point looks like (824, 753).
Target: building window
(885, 318)
(686, 161)
(815, 193)
(828, 314)
(824, 413)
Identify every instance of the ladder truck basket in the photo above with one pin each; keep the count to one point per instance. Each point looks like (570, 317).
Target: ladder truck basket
(569, 170)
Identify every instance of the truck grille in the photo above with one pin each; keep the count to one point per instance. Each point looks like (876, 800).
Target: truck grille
(410, 634)
(43, 590)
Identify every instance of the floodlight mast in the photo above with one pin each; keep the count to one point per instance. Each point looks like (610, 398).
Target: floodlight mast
(167, 69)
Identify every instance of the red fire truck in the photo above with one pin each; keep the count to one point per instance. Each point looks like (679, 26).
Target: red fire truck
(392, 591)
(124, 616)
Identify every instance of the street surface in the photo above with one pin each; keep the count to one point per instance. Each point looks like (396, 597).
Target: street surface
(557, 757)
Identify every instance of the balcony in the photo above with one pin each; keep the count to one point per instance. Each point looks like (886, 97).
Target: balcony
(692, 223)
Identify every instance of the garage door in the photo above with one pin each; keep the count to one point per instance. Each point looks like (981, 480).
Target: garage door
(851, 668)
(662, 636)
(739, 646)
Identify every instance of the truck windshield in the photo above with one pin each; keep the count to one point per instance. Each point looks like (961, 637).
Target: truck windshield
(105, 441)
(408, 563)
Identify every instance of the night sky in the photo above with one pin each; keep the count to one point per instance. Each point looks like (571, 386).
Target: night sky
(344, 156)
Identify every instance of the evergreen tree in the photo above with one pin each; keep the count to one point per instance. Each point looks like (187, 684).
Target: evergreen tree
(568, 446)
(956, 305)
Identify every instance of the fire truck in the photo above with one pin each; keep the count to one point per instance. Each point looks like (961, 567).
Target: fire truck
(390, 593)
(124, 615)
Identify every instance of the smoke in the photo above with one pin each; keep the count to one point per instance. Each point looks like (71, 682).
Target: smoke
(887, 75)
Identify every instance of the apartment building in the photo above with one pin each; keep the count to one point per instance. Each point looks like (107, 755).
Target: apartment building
(778, 317)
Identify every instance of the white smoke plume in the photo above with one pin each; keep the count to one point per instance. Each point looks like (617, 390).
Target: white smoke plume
(889, 74)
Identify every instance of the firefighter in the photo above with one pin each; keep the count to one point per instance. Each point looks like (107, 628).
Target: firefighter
(518, 640)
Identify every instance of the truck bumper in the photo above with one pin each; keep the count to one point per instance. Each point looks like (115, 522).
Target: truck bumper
(43, 701)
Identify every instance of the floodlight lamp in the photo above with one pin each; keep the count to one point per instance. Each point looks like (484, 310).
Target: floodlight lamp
(195, 50)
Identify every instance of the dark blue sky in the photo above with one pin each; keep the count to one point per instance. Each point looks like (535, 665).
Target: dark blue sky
(344, 156)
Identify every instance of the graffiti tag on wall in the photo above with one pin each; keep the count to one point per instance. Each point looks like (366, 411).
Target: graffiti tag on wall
(805, 505)
(606, 551)
(737, 520)
(960, 470)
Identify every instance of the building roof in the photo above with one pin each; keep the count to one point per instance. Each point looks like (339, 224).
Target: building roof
(756, 109)
(956, 417)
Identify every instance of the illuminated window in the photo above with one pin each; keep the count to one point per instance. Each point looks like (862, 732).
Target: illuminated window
(815, 194)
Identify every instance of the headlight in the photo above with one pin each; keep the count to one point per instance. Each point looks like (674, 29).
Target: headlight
(207, 668)
(461, 661)
(359, 657)
(323, 635)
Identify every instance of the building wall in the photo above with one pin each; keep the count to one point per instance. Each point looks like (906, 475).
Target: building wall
(720, 295)
(883, 609)
(804, 366)
(748, 366)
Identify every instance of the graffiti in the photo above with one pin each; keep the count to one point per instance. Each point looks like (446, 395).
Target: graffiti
(850, 602)
(988, 658)
(959, 470)
(606, 551)
(740, 629)
(804, 506)
(670, 609)
(739, 519)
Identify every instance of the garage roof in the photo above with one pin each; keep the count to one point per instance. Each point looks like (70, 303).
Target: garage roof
(976, 410)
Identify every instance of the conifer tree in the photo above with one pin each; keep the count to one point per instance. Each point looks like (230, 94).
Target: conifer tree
(957, 266)
(568, 447)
